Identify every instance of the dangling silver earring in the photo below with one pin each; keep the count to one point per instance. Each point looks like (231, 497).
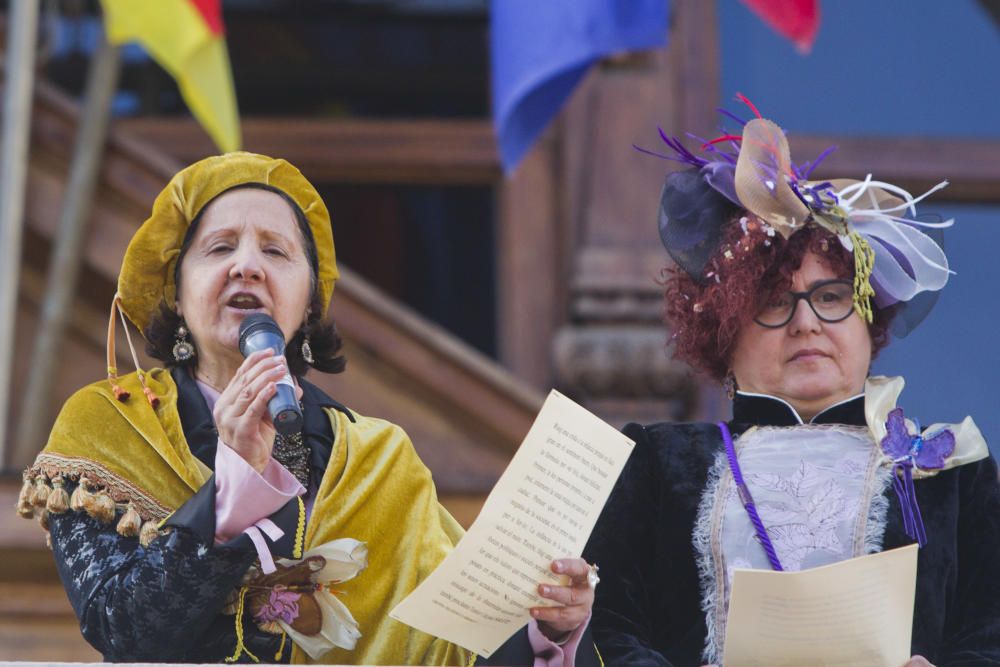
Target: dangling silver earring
(307, 352)
(183, 348)
(729, 385)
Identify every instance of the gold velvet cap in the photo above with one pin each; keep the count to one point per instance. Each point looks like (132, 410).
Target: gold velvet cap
(147, 274)
(146, 279)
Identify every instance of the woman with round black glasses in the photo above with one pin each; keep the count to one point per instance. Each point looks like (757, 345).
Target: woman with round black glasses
(785, 289)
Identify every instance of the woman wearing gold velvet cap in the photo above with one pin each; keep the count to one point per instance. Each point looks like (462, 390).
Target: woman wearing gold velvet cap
(182, 527)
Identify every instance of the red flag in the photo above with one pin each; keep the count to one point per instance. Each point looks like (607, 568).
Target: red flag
(798, 20)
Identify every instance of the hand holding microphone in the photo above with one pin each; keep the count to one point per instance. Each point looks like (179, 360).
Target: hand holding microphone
(261, 386)
(260, 332)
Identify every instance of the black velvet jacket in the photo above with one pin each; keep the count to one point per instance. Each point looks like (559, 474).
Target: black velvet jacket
(648, 607)
(162, 603)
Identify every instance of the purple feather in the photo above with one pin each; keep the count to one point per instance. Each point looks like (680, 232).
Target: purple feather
(810, 167)
(732, 116)
(654, 153)
(682, 153)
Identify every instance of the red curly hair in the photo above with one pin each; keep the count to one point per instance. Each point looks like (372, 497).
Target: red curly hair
(752, 263)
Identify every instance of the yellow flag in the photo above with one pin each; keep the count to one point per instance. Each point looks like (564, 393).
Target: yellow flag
(186, 38)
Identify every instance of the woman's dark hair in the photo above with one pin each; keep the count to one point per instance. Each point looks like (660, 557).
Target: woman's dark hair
(706, 316)
(324, 341)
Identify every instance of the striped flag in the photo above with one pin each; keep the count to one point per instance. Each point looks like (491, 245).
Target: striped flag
(186, 37)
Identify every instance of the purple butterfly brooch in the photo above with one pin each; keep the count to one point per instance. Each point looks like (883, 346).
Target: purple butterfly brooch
(908, 452)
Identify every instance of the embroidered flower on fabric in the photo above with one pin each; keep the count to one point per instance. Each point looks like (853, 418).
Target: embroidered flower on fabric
(808, 520)
(282, 605)
(300, 599)
(787, 470)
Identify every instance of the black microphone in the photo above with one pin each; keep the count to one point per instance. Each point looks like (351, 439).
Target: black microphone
(259, 332)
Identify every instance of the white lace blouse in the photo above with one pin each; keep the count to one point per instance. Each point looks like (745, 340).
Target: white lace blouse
(819, 490)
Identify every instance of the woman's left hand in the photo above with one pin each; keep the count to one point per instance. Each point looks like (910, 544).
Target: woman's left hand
(577, 600)
(918, 661)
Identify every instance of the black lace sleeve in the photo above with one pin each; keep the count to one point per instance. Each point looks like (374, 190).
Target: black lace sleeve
(163, 602)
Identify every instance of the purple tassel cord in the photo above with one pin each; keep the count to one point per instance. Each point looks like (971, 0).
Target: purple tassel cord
(747, 500)
(902, 482)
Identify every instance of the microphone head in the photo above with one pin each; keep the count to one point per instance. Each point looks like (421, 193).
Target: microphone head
(259, 323)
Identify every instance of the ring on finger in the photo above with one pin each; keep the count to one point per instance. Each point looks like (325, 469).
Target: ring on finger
(592, 578)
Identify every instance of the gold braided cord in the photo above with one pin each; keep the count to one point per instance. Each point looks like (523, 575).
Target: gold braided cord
(300, 531)
(281, 649)
(864, 261)
(240, 646)
(472, 660)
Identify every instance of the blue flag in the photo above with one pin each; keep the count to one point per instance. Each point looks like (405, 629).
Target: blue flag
(542, 48)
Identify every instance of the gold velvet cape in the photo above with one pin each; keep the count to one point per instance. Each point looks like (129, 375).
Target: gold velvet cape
(375, 490)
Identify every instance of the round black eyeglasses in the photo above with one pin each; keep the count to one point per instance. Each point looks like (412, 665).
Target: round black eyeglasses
(831, 300)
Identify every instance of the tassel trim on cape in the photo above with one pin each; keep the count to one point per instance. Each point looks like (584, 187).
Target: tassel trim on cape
(98, 492)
